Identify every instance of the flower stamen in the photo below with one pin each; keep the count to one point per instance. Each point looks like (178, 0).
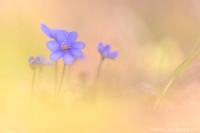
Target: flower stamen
(65, 46)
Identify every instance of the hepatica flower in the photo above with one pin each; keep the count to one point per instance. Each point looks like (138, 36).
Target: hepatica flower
(106, 53)
(65, 47)
(51, 32)
(34, 62)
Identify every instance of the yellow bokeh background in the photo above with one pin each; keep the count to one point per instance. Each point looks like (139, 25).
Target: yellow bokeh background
(153, 39)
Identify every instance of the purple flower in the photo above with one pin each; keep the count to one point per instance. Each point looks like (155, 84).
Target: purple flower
(105, 51)
(51, 32)
(65, 47)
(34, 62)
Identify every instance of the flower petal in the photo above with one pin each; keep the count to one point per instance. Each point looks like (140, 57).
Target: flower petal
(71, 38)
(79, 45)
(31, 59)
(37, 60)
(100, 47)
(113, 55)
(66, 32)
(83, 57)
(56, 55)
(105, 51)
(53, 46)
(61, 36)
(46, 30)
(75, 52)
(68, 59)
(107, 48)
(42, 58)
(53, 32)
(44, 62)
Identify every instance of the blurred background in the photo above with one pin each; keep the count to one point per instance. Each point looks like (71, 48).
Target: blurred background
(153, 38)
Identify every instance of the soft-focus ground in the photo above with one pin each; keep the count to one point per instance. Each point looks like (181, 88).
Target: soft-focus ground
(153, 38)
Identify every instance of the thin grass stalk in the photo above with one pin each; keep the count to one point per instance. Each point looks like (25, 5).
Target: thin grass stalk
(174, 75)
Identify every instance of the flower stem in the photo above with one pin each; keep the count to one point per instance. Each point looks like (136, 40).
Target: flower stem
(61, 81)
(33, 84)
(98, 70)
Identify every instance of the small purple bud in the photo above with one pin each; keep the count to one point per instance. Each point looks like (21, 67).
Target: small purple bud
(105, 51)
(34, 62)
